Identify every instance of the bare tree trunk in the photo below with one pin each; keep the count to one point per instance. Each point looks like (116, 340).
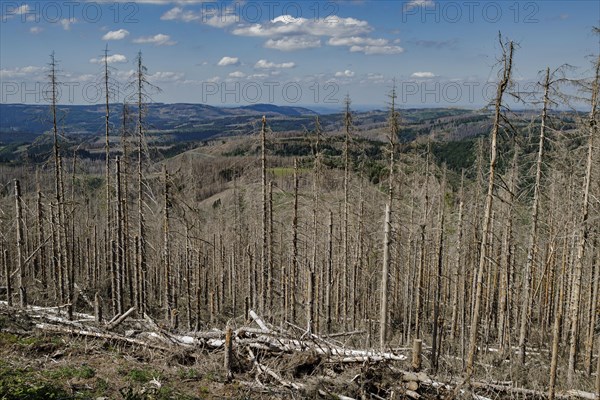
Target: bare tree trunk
(168, 288)
(329, 275)
(60, 247)
(593, 315)
(532, 251)
(387, 239)
(316, 186)
(459, 277)
(265, 244)
(7, 277)
(119, 268)
(507, 61)
(435, 348)
(294, 274)
(557, 323)
(345, 261)
(107, 147)
(421, 269)
(141, 251)
(583, 232)
(20, 244)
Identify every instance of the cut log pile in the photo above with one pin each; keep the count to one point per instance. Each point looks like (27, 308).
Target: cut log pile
(320, 364)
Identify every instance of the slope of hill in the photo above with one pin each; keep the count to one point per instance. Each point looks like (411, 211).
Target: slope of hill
(22, 122)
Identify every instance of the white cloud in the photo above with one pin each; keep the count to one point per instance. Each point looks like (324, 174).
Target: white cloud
(237, 74)
(228, 61)
(423, 75)
(258, 76)
(112, 59)
(116, 35)
(418, 3)
(293, 43)
(366, 45)
(166, 76)
(157, 40)
(23, 9)
(35, 30)
(221, 20)
(288, 25)
(377, 49)
(20, 72)
(264, 64)
(346, 74)
(66, 23)
(374, 76)
(356, 41)
(177, 13)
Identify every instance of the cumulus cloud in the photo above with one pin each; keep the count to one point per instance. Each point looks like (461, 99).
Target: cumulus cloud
(67, 22)
(116, 35)
(356, 41)
(112, 59)
(293, 43)
(264, 64)
(177, 13)
(35, 30)
(418, 3)
(220, 19)
(346, 74)
(423, 75)
(286, 25)
(20, 72)
(237, 74)
(157, 40)
(366, 45)
(228, 61)
(377, 49)
(10, 12)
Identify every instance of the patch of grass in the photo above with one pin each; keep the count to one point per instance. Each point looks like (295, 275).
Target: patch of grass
(143, 375)
(69, 372)
(24, 384)
(188, 373)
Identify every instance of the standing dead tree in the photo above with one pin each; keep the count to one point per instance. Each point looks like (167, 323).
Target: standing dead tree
(20, 245)
(584, 229)
(532, 250)
(393, 126)
(507, 59)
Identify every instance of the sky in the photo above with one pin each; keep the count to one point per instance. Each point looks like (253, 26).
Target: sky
(303, 53)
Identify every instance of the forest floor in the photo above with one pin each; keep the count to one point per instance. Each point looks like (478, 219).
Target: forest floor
(36, 364)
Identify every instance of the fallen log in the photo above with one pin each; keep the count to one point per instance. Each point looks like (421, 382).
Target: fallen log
(102, 335)
(112, 325)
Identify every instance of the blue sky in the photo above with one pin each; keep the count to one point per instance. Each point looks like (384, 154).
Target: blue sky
(311, 53)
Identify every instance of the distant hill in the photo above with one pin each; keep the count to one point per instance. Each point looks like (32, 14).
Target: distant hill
(24, 122)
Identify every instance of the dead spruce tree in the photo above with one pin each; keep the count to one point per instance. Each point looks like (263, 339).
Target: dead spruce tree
(507, 59)
(345, 250)
(393, 127)
(60, 244)
(584, 228)
(265, 228)
(142, 89)
(533, 233)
